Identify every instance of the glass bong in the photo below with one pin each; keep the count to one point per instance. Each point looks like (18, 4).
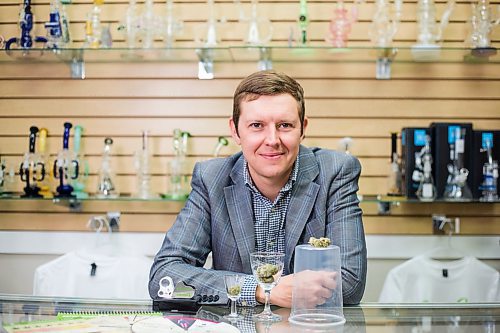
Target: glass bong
(395, 178)
(26, 25)
(150, 25)
(482, 23)
(429, 33)
(93, 27)
(423, 173)
(259, 30)
(303, 23)
(340, 25)
(177, 189)
(456, 188)
(131, 24)
(6, 175)
(172, 26)
(385, 24)
(106, 187)
(66, 166)
(79, 182)
(32, 169)
(210, 36)
(42, 149)
(54, 26)
(141, 159)
(489, 189)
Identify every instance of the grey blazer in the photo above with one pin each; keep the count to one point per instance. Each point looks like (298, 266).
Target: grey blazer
(218, 218)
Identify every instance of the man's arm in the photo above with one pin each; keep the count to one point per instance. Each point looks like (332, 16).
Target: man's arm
(345, 228)
(186, 247)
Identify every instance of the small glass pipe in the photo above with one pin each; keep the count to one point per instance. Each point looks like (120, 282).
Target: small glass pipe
(221, 142)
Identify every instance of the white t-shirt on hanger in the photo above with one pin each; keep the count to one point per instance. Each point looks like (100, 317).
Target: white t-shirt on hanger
(118, 276)
(423, 279)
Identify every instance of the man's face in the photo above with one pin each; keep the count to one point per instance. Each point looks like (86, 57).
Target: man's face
(269, 134)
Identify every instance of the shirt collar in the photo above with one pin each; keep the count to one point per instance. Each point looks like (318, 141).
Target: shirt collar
(286, 187)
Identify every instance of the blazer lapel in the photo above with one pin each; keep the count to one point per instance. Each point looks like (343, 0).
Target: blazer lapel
(304, 196)
(239, 206)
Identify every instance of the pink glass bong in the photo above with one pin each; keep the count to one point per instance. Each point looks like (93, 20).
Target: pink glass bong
(340, 25)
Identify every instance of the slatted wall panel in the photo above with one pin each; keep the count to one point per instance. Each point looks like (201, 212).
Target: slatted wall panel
(119, 99)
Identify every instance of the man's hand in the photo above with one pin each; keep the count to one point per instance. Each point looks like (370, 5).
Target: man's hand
(317, 286)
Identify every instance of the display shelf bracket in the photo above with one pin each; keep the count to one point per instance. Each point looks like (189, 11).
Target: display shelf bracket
(265, 62)
(205, 64)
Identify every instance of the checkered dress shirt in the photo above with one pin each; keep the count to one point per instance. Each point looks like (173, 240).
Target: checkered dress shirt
(269, 225)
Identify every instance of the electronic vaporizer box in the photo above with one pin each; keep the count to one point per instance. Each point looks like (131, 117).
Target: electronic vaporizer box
(443, 136)
(412, 142)
(480, 157)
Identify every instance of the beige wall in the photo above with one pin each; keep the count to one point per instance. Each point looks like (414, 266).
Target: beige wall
(119, 99)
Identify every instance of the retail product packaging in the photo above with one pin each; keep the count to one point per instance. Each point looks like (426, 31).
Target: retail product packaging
(412, 142)
(480, 157)
(442, 136)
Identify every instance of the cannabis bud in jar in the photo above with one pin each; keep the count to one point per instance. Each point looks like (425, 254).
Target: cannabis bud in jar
(265, 273)
(320, 242)
(234, 290)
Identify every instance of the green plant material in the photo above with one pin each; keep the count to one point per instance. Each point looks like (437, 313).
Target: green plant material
(265, 273)
(320, 242)
(234, 290)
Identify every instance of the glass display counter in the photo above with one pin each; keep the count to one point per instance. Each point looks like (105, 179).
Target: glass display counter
(40, 314)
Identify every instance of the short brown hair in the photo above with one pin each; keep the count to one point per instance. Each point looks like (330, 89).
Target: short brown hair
(268, 83)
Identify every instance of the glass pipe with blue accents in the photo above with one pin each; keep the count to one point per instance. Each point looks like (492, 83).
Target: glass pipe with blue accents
(25, 41)
(32, 168)
(66, 167)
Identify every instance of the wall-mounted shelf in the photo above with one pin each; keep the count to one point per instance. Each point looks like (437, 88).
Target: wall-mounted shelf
(91, 205)
(384, 203)
(75, 204)
(263, 56)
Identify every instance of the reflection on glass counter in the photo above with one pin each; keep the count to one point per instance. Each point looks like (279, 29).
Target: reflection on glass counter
(25, 313)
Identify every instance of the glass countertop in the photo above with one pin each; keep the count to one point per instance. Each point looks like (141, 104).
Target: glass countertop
(36, 312)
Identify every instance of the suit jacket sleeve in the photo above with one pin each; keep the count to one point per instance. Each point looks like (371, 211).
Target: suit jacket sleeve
(345, 228)
(186, 247)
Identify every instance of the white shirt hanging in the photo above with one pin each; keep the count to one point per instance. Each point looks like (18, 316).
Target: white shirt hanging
(423, 279)
(90, 274)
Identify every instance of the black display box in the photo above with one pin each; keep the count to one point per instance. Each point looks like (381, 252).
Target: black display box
(479, 157)
(442, 134)
(412, 141)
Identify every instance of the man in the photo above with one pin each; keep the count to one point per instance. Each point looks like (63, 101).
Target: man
(272, 196)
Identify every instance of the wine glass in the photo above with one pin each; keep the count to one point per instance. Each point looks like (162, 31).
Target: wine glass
(234, 283)
(267, 268)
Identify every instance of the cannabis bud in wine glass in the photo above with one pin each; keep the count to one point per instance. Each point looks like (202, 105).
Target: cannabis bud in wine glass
(267, 268)
(234, 284)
